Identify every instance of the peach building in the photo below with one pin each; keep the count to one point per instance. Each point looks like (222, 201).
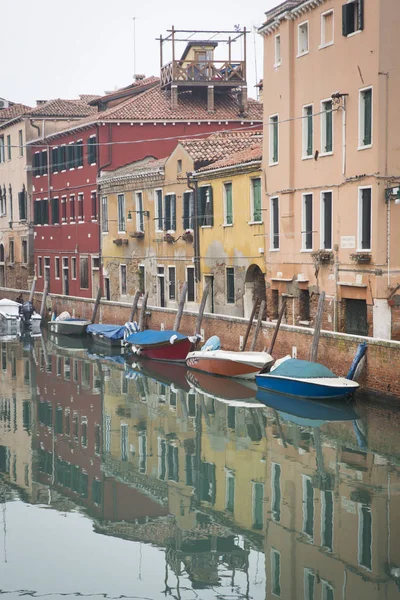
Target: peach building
(331, 162)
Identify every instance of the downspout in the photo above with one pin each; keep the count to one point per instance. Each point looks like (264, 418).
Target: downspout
(100, 167)
(344, 132)
(196, 237)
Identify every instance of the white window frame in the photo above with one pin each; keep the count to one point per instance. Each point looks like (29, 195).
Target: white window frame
(252, 222)
(356, 31)
(324, 15)
(47, 267)
(303, 222)
(304, 133)
(322, 221)
(139, 210)
(277, 51)
(359, 219)
(361, 110)
(120, 230)
(170, 207)
(271, 226)
(299, 51)
(271, 139)
(156, 209)
(73, 268)
(323, 128)
(103, 197)
(194, 283)
(63, 203)
(72, 220)
(225, 183)
(120, 279)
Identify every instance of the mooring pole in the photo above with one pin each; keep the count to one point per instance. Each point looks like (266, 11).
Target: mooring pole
(96, 305)
(181, 306)
(45, 292)
(202, 308)
(278, 324)
(317, 328)
(249, 324)
(143, 311)
(134, 306)
(258, 326)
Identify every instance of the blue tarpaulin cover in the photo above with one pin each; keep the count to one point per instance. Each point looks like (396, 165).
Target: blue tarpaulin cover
(111, 332)
(301, 369)
(152, 336)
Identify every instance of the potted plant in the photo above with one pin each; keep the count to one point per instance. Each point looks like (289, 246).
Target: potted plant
(188, 236)
(137, 234)
(169, 238)
(361, 257)
(322, 257)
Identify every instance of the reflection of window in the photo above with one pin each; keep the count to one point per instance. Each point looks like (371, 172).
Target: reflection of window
(365, 536)
(84, 440)
(308, 506)
(258, 499)
(276, 572)
(327, 520)
(327, 591)
(173, 462)
(107, 434)
(276, 492)
(309, 584)
(230, 492)
(124, 441)
(162, 459)
(143, 452)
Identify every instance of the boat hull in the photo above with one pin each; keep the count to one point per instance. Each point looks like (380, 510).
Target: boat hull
(105, 342)
(307, 388)
(176, 352)
(228, 364)
(68, 327)
(217, 387)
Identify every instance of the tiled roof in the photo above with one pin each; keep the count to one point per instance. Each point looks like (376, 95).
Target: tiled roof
(6, 114)
(216, 148)
(63, 108)
(155, 104)
(253, 153)
(136, 86)
(89, 97)
(139, 167)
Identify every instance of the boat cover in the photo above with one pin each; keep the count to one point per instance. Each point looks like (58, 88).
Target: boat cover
(152, 337)
(213, 343)
(302, 369)
(111, 332)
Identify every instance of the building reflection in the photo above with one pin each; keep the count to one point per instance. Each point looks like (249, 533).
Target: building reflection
(152, 458)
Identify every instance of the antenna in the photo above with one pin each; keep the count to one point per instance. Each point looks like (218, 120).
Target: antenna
(255, 59)
(134, 45)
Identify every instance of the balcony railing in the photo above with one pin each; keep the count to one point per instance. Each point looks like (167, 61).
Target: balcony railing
(195, 73)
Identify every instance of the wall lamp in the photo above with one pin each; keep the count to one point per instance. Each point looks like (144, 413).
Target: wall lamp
(393, 193)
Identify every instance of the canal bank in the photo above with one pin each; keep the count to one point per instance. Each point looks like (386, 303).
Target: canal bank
(336, 350)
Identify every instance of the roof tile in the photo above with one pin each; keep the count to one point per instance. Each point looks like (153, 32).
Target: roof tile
(63, 108)
(215, 148)
(253, 153)
(16, 110)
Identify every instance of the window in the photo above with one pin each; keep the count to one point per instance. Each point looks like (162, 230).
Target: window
(273, 140)
(352, 17)
(170, 212)
(255, 191)
(57, 267)
(308, 507)
(104, 214)
(307, 150)
(364, 536)
(64, 208)
(40, 266)
(159, 210)
(80, 207)
(143, 453)
(142, 279)
(230, 492)
(302, 38)
(277, 51)
(79, 154)
(276, 492)
(172, 283)
(54, 160)
(258, 499)
(326, 220)
(179, 166)
(162, 456)
(71, 156)
(326, 28)
(228, 208)
(62, 158)
(73, 267)
(22, 204)
(9, 147)
(365, 119)
(47, 268)
(72, 208)
(3, 200)
(21, 142)
(191, 294)
(274, 225)
(121, 213)
(364, 218)
(24, 251)
(41, 209)
(230, 285)
(43, 165)
(188, 210)
(84, 272)
(307, 222)
(11, 251)
(309, 584)
(327, 520)
(93, 202)
(206, 206)
(276, 572)
(2, 151)
(326, 127)
(55, 211)
(92, 150)
(40, 163)
(327, 591)
(123, 279)
(139, 211)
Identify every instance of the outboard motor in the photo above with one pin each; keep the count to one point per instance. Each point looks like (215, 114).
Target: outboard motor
(27, 311)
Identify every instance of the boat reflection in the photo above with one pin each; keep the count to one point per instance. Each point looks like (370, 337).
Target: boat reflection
(218, 477)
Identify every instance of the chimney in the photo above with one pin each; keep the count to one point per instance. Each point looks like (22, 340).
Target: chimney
(40, 102)
(210, 99)
(243, 104)
(139, 76)
(174, 97)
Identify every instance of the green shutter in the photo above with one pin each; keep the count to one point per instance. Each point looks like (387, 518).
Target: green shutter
(328, 127)
(275, 140)
(309, 131)
(367, 97)
(228, 204)
(167, 222)
(186, 199)
(210, 208)
(256, 183)
(173, 212)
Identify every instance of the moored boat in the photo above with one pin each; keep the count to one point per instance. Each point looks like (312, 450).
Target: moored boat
(168, 345)
(110, 336)
(10, 314)
(305, 379)
(229, 363)
(69, 326)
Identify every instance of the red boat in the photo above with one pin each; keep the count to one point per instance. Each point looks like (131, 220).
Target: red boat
(168, 345)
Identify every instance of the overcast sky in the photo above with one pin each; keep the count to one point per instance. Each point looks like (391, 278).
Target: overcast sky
(63, 48)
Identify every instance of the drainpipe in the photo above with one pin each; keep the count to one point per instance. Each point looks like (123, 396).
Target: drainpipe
(100, 167)
(196, 237)
(344, 142)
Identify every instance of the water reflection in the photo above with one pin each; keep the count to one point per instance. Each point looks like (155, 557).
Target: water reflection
(237, 499)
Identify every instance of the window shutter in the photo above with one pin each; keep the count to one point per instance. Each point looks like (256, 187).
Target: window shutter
(347, 19)
(210, 207)
(309, 131)
(173, 212)
(228, 195)
(308, 221)
(275, 224)
(366, 220)
(37, 212)
(360, 15)
(275, 140)
(201, 200)
(367, 117)
(167, 222)
(256, 199)
(328, 220)
(186, 200)
(44, 163)
(328, 126)
(160, 210)
(22, 205)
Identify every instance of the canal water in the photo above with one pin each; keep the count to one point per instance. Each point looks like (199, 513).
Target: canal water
(121, 481)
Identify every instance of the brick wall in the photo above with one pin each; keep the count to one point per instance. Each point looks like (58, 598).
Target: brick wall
(336, 350)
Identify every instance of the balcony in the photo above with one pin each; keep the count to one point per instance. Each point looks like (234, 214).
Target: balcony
(220, 73)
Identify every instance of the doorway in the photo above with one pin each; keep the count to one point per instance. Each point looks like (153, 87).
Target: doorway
(65, 276)
(254, 288)
(356, 317)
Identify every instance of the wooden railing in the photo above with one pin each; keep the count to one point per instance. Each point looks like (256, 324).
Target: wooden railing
(196, 72)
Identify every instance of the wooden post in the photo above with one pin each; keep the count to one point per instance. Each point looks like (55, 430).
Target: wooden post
(317, 327)
(258, 326)
(181, 306)
(143, 311)
(134, 306)
(278, 324)
(244, 53)
(32, 290)
(161, 51)
(45, 292)
(96, 305)
(249, 324)
(202, 308)
(173, 52)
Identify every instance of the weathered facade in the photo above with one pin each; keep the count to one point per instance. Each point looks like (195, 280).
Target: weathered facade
(332, 163)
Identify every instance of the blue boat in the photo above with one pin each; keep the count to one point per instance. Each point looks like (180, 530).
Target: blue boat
(305, 379)
(107, 335)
